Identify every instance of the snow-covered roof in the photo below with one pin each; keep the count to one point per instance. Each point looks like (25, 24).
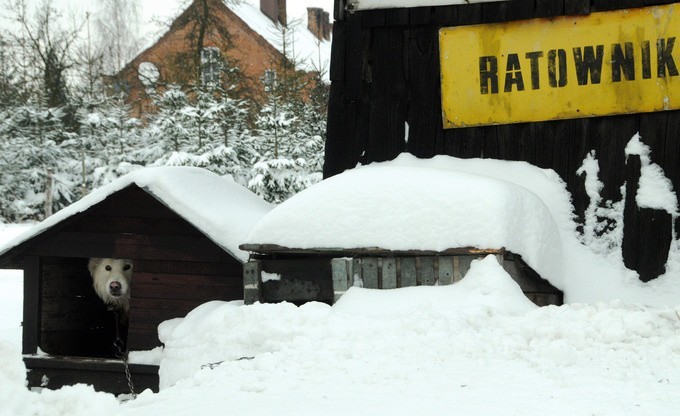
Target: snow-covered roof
(218, 207)
(412, 204)
(390, 4)
(303, 47)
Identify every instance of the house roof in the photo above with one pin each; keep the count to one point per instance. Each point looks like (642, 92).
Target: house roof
(302, 47)
(310, 53)
(218, 207)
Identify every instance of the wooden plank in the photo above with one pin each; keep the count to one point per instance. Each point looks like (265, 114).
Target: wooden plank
(341, 276)
(444, 16)
(130, 225)
(373, 18)
(464, 264)
(389, 273)
(445, 270)
(354, 62)
(457, 275)
(369, 271)
(152, 247)
(419, 15)
(215, 290)
(162, 304)
(549, 8)
(396, 17)
(143, 340)
(131, 202)
(32, 304)
(251, 282)
(366, 251)
(103, 375)
(187, 279)
(605, 5)
(424, 110)
(576, 7)
(426, 272)
(167, 267)
(408, 275)
(387, 104)
(337, 69)
(357, 273)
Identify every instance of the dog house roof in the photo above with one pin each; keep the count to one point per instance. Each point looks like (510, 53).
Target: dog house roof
(218, 207)
(435, 205)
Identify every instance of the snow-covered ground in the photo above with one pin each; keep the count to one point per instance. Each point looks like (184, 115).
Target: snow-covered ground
(477, 347)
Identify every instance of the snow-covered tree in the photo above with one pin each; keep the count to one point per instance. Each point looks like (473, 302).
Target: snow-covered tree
(35, 180)
(105, 147)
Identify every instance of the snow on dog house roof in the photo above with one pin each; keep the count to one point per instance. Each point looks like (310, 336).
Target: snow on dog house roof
(426, 205)
(218, 207)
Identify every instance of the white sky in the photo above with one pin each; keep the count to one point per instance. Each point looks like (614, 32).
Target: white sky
(164, 8)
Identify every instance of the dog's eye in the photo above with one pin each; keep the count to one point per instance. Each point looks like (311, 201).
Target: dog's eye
(108, 268)
(127, 267)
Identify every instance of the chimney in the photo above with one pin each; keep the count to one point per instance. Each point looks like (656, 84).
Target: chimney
(275, 10)
(318, 23)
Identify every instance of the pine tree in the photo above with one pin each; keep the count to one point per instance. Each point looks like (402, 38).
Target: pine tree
(35, 181)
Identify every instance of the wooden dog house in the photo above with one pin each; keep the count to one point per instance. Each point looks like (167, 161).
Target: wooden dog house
(180, 226)
(405, 223)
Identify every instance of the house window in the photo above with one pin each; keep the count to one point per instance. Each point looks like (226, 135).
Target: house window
(269, 80)
(211, 66)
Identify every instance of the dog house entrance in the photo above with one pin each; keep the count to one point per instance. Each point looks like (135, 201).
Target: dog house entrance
(74, 320)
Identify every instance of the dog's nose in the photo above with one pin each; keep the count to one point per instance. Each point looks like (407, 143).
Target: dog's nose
(115, 287)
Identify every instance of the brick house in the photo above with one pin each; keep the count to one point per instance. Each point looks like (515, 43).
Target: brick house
(211, 35)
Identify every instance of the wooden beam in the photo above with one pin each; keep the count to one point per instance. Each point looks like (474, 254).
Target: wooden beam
(103, 374)
(365, 251)
(32, 304)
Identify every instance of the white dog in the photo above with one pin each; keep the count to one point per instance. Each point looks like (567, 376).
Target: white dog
(111, 280)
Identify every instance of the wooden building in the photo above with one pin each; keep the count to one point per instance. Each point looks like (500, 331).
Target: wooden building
(181, 228)
(386, 81)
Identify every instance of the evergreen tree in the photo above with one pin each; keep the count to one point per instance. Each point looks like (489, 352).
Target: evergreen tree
(35, 179)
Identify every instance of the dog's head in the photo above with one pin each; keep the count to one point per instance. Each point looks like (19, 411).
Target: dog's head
(111, 280)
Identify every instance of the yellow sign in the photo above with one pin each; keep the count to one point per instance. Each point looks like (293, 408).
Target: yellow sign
(605, 63)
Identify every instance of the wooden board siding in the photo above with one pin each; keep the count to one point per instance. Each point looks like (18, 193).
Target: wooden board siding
(164, 290)
(301, 280)
(32, 305)
(103, 375)
(326, 277)
(385, 73)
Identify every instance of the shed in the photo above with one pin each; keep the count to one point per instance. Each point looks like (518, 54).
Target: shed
(181, 226)
(410, 222)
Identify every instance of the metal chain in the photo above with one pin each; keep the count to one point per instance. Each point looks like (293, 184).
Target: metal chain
(123, 355)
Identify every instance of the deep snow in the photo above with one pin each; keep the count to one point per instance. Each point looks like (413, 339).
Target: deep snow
(446, 202)
(477, 347)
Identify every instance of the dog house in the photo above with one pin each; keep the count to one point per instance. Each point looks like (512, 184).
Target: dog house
(404, 223)
(181, 227)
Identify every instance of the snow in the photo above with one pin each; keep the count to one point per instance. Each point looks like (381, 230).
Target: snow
(302, 47)
(655, 190)
(477, 347)
(445, 202)
(11, 293)
(219, 207)
(390, 4)
(403, 207)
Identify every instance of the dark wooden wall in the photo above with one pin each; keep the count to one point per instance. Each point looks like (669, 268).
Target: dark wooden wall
(176, 268)
(385, 72)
